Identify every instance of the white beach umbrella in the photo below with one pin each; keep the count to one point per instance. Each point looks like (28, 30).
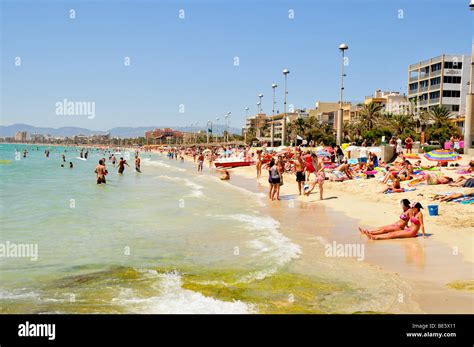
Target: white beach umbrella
(351, 148)
(374, 149)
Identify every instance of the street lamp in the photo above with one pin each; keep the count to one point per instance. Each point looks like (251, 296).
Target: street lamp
(283, 124)
(339, 123)
(226, 121)
(207, 125)
(272, 129)
(260, 96)
(468, 120)
(217, 126)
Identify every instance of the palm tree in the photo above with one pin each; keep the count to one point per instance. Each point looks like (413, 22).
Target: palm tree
(370, 114)
(440, 116)
(297, 127)
(401, 122)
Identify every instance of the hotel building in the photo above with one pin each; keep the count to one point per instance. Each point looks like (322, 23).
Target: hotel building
(441, 80)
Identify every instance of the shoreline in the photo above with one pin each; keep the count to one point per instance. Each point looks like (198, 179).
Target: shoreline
(425, 264)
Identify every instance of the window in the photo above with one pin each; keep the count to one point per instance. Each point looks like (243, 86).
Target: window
(455, 107)
(413, 86)
(451, 93)
(434, 95)
(453, 65)
(435, 81)
(452, 79)
(424, 84)
(436, 67)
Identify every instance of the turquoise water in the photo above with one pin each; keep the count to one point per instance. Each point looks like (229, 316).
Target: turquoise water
(167, 240)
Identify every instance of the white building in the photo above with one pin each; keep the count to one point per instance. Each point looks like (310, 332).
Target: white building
(441, 80)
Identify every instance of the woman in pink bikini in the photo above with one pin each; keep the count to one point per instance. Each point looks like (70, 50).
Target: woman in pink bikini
(398, 225)
(416, 223)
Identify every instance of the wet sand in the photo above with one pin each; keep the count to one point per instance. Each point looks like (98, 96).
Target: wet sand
(427, 264)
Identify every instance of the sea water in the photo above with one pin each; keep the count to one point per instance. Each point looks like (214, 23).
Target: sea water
(167, 240)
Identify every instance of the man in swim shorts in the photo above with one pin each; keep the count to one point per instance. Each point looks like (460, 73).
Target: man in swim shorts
(101, 172)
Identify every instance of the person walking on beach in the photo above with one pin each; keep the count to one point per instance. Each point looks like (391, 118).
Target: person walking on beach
(339, 154)
(274, 180)
(100, 172)
(299, 169)
(200, 162)
(399, 148)
(319, 177)
(409, 144)
(121, 165)
(258, 164)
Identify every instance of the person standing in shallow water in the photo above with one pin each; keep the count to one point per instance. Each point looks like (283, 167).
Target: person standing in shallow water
(137, 163)
(121, 165)
(100, 172)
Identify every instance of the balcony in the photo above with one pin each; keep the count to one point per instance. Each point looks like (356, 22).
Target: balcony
(423, 89)
(422, 102)
(412, 91)
(435, 87)
(413, 78)
(434, 101)
(435, 73)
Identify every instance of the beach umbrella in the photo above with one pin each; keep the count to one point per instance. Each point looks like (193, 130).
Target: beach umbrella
(323, 154)
(442, 155)
(207, 151)
(352, 161)
(351, 148)
(411, 156)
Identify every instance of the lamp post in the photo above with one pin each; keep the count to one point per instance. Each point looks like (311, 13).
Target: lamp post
(256, 120)
(272, 128)
(339, 123)
(283, 123)
(226, 138)
(207, 125)
(468, 120)
(246, 118)
(260, 97)
(217, 125)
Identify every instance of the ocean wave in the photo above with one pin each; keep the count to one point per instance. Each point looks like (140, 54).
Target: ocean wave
(197, 189)
(258, 197)
(17, 294)
(269, 242)
(159, 163)
(173, 299)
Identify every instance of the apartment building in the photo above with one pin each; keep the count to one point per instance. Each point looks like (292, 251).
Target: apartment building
(392, 102)
(442, 80)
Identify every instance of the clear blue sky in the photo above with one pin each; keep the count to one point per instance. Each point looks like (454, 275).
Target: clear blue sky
(191, 61)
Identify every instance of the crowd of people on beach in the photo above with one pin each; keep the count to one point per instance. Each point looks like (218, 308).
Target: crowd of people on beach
(311, 168)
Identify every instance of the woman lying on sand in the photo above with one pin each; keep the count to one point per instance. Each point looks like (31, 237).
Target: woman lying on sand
(416, 223)
(433, 179)
(454, 196)
(398, 225)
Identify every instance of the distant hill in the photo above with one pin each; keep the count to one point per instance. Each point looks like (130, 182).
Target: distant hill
(122, 132)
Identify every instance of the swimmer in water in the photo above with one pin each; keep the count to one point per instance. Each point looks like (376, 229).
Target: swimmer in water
(101, 172)
(70, 165)
(64, 157)
(121, 165)
(137, 163)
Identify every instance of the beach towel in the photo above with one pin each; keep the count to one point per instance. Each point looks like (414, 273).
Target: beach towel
(403, 190)
(465, 200)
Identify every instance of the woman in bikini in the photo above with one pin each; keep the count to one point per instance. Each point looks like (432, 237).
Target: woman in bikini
(398, 225)
(258, 165)
(416, 223)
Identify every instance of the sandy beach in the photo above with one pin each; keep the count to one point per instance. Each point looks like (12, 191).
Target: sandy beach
(438, 267)
(434, 265)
